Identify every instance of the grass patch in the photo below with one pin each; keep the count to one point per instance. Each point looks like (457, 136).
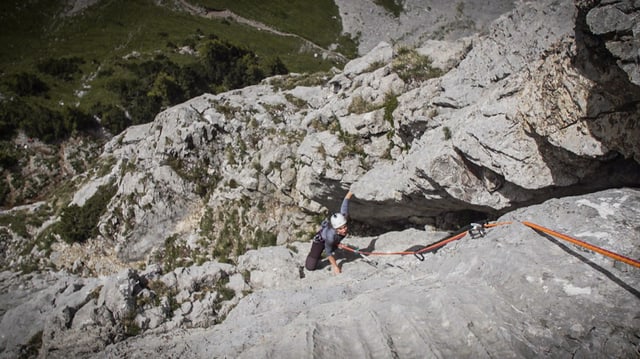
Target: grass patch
(292, 81)
(195, 173)
(108, 30)
(18, 222)
(230, 234)
(359, 106)
(413, 67)
(121, 62)
(304, 18)
(390, 105)
(176, 254)
(392, 6)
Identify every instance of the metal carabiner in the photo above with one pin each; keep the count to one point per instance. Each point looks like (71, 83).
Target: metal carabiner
(476, 230)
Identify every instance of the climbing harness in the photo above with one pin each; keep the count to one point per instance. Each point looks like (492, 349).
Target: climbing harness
(477, 230)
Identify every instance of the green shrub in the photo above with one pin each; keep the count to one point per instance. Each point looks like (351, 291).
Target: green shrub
(133, 94)
(390, 105)
(4, 192)
(176, 254)
(166, 89)
(224, 292)
(63, 68)
(348, 45)
(447, 133)
(19, 221)
(7, 126)
(44, 123)
(111, 117)
(76, 120)
(77, 224)
(131, 328)
(28, 84)
(9, 156)
(411, 66)
(275, 66)
(393, 6)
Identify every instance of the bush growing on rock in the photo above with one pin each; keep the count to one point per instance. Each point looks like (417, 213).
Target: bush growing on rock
(79, 223)
(413, 67)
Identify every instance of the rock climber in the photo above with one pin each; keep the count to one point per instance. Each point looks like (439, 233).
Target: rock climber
(331, 233)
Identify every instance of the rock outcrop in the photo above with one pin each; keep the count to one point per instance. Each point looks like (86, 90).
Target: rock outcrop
(513, 293)
(417, 21)
(502, 125)
(538, 107)
(526, 115)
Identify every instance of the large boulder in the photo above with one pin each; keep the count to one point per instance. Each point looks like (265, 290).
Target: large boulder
(526, 115)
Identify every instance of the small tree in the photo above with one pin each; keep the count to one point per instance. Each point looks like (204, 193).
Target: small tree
(63, 68)
(77, 224)
(28, 84)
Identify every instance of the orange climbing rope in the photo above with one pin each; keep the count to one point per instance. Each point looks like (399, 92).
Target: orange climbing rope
(428, 248)
(602, 251)
(423, 250)
(420, 256)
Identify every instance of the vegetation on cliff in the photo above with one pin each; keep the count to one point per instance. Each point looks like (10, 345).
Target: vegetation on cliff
(117, 64)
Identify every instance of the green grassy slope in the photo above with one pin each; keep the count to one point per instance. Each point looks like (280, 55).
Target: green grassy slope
(34, 32)
(317, 21)
(114, 28)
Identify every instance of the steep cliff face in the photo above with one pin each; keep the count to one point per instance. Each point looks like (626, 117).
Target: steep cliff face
(538, 108)
(543, 104)
(513, 292)
(535, 109)
(498, 125)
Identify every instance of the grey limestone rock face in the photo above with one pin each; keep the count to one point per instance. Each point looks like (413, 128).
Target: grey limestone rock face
(513, 293)
(525, 111)
(419, 21)
(619, 22)
(530, 119)
(532, 108)
(66, 315)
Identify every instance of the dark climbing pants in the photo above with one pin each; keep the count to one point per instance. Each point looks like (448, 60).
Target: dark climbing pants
(314, 255)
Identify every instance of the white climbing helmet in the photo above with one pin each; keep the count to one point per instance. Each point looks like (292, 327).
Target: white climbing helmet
(338, 220)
